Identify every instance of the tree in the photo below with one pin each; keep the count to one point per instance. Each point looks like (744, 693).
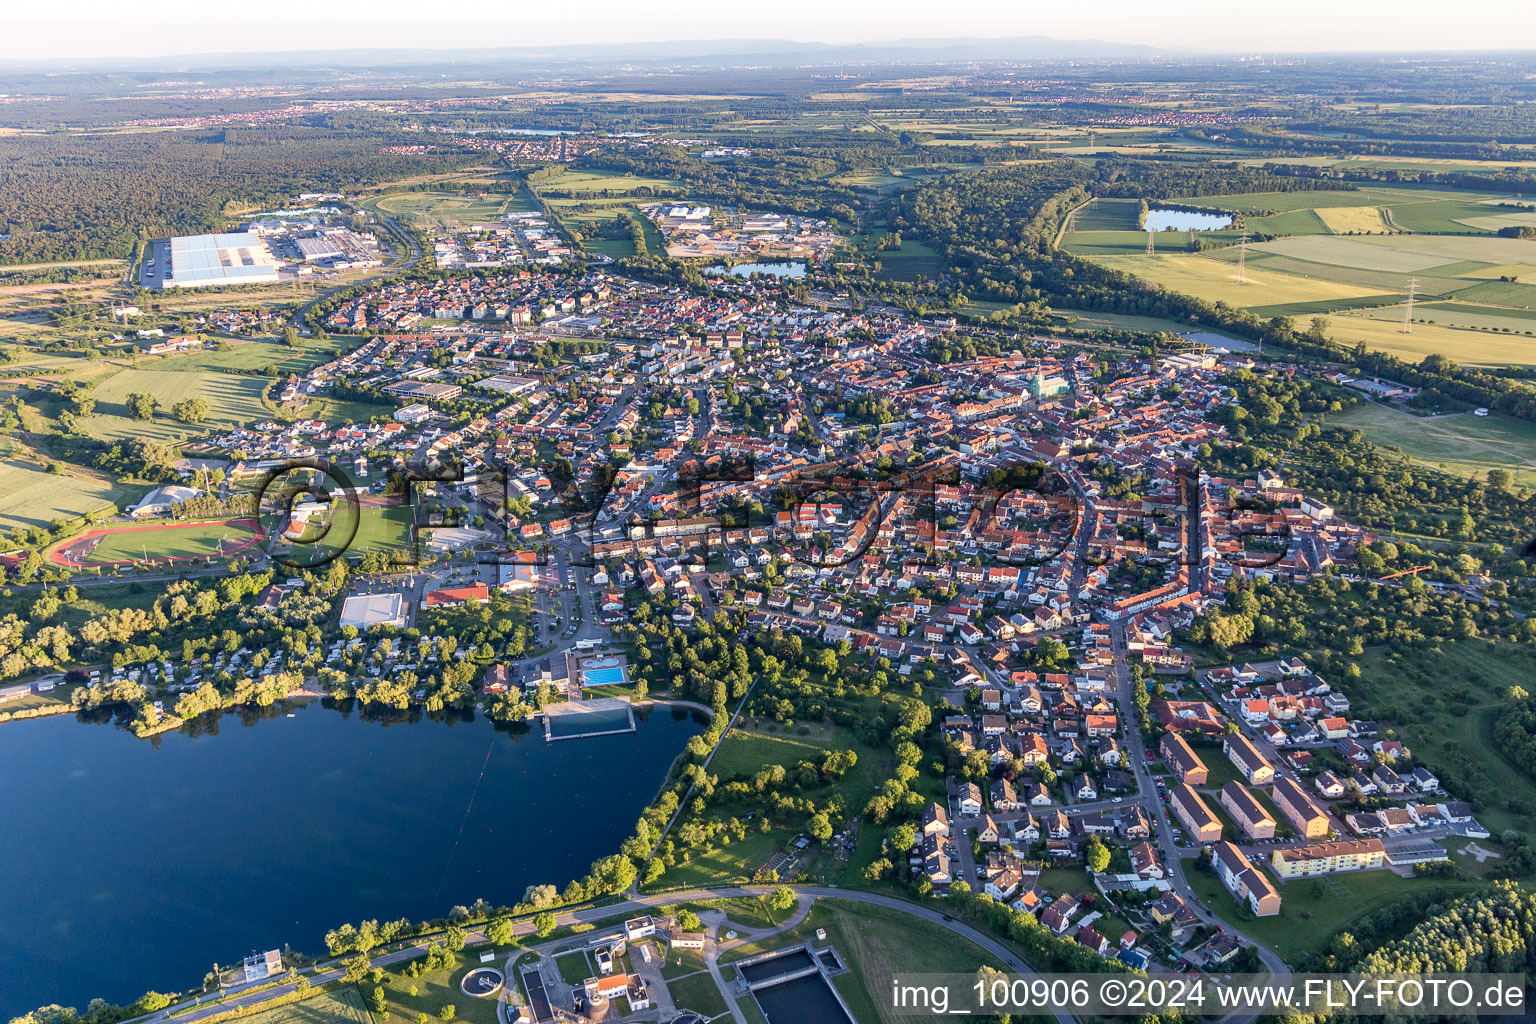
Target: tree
(688, 921)
(142, 406)
(781, 899)
(151, 1001)
(291, 338)
(820, 827)
(354, 968)
(544, 925)
(377, 1003)
(191, 410)
(500, 931)
(446, 1013)
(1098, 857)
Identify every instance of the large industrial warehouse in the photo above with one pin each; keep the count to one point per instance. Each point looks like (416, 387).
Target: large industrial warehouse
(208, 261)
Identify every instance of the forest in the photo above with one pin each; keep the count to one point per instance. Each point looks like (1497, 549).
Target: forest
(77, 197)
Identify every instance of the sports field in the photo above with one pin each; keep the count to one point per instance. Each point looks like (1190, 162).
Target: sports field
(423, 208)
(1464, 444)
(161, 542)
(233, 401)
(607, 184)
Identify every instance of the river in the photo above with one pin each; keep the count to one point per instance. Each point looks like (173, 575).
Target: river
(132, 864)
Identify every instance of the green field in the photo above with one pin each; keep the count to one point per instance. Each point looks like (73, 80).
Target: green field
(912, 260)
(377, 529)
(697, 992)
(574, 967)
(258, 354)
(1463, 444)
(1380, 330)
(343, 1005)
(1360, 282)
(197, 541)
(444, 208)
(607, 184)
(1312, 911)
(876, 943)
(435, 990)
(234, 401)
(1442, 701)
(32, 496)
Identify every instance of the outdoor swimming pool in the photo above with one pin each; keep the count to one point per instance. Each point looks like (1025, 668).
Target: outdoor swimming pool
(609, 676)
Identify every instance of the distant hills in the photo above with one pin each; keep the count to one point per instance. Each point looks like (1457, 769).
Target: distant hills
(695, 53)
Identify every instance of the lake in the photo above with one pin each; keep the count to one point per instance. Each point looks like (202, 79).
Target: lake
(1186, 220)
(133, 865)
(772, 269)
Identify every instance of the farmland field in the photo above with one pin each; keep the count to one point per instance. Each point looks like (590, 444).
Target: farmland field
(31, 496)
(234, 400)
(1360, 283)
(912, 259)
(1342, 220)
(343, 1005)
(1380, 329)
(1216, 280)
(1463, 444)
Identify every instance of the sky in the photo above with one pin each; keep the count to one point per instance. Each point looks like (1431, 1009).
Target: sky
(107, 28)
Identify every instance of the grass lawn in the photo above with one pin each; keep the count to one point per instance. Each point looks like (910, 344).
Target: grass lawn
(1463, 444)
(911, 260)
(744, 751)
(575, 968)
(1220, 770)
(435, 990)
(738, 861)
(749, 1009)
(342, 1005)
(233, 401)
(1062, 880)
(32, 496)
(383, 529)
(697, 992)
(1311, 914)
(876, 943)
(258, 353)
(438, 207)
(682, 962)
(1441, 703)
(745, 911)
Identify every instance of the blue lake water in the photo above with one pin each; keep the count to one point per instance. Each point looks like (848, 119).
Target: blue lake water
(132, 864)
(772, 269)
(1186, 220)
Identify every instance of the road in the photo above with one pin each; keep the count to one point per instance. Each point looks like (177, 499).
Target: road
(297, 319)
(331, 970)
(1135, 749)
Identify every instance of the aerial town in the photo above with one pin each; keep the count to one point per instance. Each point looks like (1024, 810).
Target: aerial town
(632, 570)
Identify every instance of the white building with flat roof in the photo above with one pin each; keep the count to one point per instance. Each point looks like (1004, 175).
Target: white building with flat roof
(212, 261)
(366, 610)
